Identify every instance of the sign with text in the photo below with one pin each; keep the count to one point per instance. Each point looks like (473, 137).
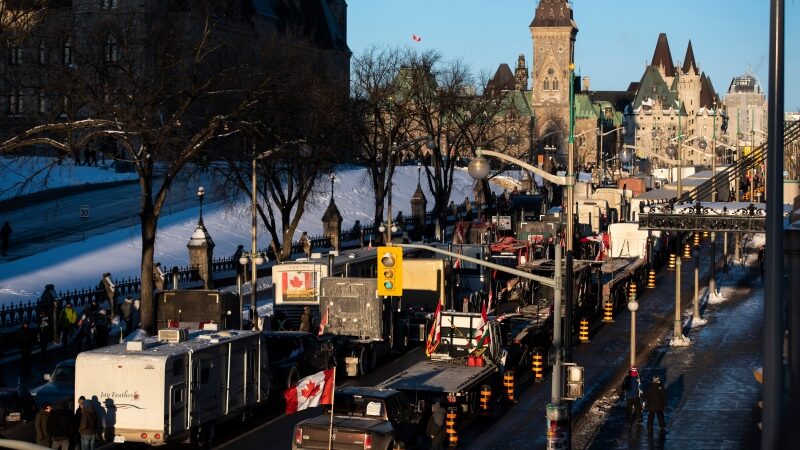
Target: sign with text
(83, 212)
(502, 222)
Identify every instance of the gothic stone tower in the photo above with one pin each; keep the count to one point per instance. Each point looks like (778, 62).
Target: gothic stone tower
(553, 33)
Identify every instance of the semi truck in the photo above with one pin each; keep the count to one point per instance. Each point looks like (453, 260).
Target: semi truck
(177, 386)
(366, 327)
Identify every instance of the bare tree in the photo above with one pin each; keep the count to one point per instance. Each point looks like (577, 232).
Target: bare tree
(383, 118)
(449, 108)
(162, 86)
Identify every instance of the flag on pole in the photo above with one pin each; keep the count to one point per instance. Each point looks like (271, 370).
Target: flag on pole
(311, 391)
(416, 38)
(435, 335)
(323, 322)
(482, 330)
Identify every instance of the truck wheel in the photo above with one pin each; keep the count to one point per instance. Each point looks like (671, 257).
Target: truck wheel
(373, 358)
(364, 358)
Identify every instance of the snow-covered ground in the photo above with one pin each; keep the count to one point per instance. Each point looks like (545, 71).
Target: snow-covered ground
(80, 264)
(20, 176)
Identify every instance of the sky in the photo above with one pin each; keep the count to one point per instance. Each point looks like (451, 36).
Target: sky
(615, 39)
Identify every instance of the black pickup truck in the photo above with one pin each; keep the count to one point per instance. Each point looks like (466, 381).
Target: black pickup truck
(363, 418)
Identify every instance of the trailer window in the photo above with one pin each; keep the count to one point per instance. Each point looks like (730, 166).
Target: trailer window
(177, 396)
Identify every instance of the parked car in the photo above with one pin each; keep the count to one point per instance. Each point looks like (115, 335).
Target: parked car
(60, 386)
(296, 354)
(363, 417)
(18, 410)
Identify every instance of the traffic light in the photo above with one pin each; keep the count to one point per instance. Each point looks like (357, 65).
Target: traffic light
(574, 381)
(390, 271)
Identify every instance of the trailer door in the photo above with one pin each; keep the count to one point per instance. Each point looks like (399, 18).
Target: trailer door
(177, 408)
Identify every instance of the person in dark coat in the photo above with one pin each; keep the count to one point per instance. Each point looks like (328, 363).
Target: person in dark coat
(631, 388)
(5, 235)
(435, 427)
(102, 326)
(87, 426)
(305, 320)
(44, 334)
(26, 338)
(59, 428)
(656, 399)
(40, 424)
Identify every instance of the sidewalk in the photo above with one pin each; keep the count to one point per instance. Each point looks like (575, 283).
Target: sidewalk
(711, 392)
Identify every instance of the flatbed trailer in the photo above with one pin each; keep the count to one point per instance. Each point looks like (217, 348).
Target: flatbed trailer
(438, 378)
(616, 276)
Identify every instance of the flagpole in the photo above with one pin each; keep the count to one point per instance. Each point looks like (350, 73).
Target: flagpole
(333, 397)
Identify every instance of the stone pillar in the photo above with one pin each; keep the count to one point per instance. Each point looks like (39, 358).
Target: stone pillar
(332, 224)
(305, 241)
(201, 252)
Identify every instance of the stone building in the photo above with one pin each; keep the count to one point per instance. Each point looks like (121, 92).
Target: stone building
(76, 34)
(746, 105)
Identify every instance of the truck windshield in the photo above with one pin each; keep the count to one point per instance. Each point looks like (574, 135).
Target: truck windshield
(63, 373)
(358, 406)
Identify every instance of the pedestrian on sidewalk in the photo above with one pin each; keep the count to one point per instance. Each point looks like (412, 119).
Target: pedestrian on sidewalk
(632, 389)
(5, 235)
(435, 427)
(44, 331)
(40, 423)
(87, 427)
(59, 428)
(656, 399)
(26, 338)
(67, 322)
(305, 320)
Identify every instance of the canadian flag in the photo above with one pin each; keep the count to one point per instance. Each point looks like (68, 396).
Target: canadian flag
(323, 323)
(435, 335)
(481, 336)
(416, 38)
(311, 391)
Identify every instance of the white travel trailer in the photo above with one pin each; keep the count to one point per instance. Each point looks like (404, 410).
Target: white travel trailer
(175, 387)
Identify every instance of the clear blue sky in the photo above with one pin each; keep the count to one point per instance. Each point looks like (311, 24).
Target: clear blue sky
(615, 39)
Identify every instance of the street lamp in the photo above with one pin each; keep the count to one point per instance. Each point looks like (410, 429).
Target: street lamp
(633, 306)
(600, 134)
(201, 192)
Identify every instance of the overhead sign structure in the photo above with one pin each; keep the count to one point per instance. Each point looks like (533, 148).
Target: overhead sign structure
(390, 271)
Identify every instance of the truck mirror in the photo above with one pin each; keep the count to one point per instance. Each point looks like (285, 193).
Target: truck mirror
(420, 407)
(47, 377)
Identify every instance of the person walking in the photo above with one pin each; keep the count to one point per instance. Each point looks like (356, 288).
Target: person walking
(40, 424)
(631, 388)
(656, 399)
(59, 428)
(26, 338)
(5, 235)
(67, 322)
(305, 320)
(44, 331)
(435, 427)
(102, 326)
(87, 427)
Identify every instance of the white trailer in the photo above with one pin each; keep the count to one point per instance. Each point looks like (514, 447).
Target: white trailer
(175, 387)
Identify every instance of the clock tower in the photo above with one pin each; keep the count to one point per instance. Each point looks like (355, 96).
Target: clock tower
(553, 33)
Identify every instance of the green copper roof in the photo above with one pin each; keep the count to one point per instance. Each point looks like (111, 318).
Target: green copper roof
(652, 88)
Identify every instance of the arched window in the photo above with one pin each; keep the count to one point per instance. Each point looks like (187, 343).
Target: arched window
(14, 101)
(66, 52)
(546, 84)
(555, 84)
(111, 49)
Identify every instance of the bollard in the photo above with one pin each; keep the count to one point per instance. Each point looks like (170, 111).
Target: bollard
(608, 311)
(450, 426)
(486, 398)
(632, 290)
(651, 279)
(672, 261)
(697, 239)
(508, 382)
(687, 251)
(583, 331)
(705, 234)
(537, 366)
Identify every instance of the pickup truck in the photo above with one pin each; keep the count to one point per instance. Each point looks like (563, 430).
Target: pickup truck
(363, 418)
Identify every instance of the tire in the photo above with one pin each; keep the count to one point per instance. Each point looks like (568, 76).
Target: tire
(373, 358)
(364, 358)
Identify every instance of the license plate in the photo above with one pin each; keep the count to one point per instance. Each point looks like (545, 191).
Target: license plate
(119, 439)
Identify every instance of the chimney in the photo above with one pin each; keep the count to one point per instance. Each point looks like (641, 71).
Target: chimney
(586, 84)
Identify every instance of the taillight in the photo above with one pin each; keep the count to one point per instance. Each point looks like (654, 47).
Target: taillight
(298, 436)
(144, 435)
(367, 442)
(157, 436)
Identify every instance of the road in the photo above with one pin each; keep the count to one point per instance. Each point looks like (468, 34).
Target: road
(48, 220)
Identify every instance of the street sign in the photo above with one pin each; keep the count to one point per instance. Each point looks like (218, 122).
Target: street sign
(84, 212)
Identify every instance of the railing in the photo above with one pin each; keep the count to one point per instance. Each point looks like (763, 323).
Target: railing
(13, 315)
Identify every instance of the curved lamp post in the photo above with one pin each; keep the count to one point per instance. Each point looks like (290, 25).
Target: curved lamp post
(633, 306)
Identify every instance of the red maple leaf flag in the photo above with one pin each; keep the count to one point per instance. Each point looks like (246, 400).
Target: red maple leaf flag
(323, 323)
(311, 391)
(296, 282)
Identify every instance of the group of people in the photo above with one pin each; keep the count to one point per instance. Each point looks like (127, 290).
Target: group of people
(56, 428)
(654, 396)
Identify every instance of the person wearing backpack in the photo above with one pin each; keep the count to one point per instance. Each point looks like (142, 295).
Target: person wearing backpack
(632, 389)
(656, 399)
